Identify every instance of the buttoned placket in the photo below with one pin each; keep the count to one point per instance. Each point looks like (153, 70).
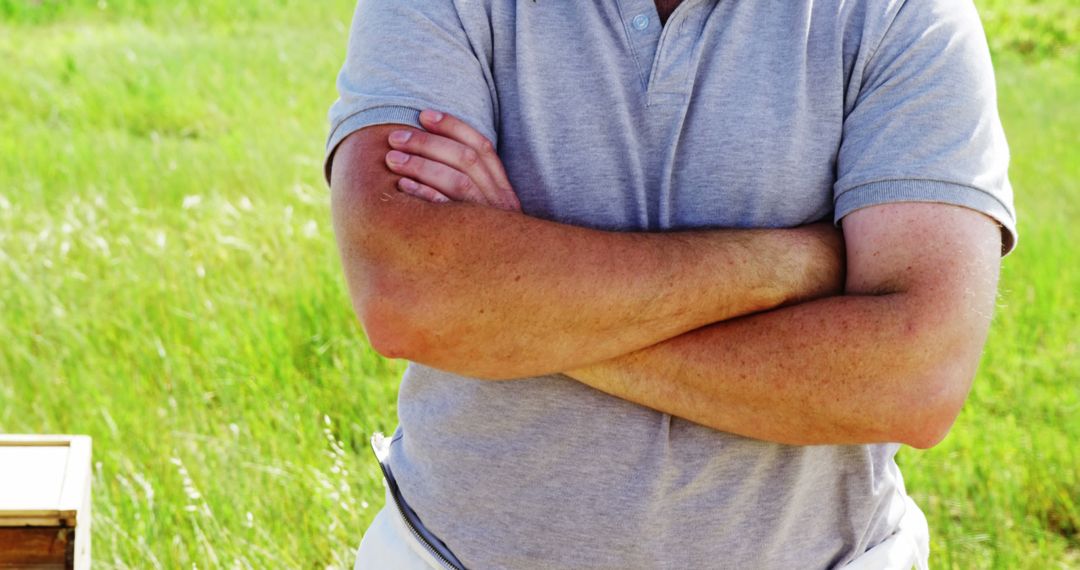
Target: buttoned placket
(665, 54)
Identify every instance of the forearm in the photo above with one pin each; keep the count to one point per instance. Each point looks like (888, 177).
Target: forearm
(827, 371)
(545, 297)
(496, 294)
(890, 361)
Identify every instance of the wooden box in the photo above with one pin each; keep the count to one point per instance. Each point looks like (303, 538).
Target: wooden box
(44, 502)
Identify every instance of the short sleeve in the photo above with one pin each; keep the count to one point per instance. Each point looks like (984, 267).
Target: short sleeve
(924, 126)
(405, 56)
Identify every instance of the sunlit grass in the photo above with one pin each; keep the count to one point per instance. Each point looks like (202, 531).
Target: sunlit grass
(168, 285)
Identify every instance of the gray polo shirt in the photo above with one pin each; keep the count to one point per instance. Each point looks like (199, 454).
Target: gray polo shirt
(733, 114)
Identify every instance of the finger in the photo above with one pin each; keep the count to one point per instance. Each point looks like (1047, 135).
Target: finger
(447, 151)
(453, 128)
(422, 191)
(451, 183)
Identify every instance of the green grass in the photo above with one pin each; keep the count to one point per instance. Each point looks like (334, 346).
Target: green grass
(168, 285)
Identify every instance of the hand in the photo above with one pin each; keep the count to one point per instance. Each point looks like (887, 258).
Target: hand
(449, 161)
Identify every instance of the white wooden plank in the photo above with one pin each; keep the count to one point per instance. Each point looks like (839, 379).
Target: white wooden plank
(75, 493)
(31, 478)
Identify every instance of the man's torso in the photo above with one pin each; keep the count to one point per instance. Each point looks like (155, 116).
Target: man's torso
(729, 115)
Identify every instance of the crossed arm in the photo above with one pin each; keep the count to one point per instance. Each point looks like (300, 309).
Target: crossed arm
(889, 360)
(674, 321)
(491, 293)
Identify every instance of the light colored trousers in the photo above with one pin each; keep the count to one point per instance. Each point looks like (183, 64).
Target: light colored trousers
(389, 545)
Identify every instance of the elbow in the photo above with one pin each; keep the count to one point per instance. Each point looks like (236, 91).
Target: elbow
(942, 351)
(401, 325)
(392, 321)
(928, 432)
(402, 330)
(407, 313)
(376, 260)
(388, 333)
(933, 403)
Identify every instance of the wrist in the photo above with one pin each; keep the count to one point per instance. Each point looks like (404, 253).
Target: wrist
(817, 255)
(761, 270)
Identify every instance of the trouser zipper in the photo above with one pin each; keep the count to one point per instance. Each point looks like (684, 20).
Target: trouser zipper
(381, 446)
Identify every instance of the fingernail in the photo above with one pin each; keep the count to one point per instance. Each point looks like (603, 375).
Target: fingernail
(431, 116)
(409, 184)
(399, 137)
(397, 157)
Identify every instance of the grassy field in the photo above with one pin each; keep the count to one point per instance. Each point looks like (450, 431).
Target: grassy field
(168, 285)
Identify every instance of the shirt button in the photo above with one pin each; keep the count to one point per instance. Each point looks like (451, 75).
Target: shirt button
(641, 21)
